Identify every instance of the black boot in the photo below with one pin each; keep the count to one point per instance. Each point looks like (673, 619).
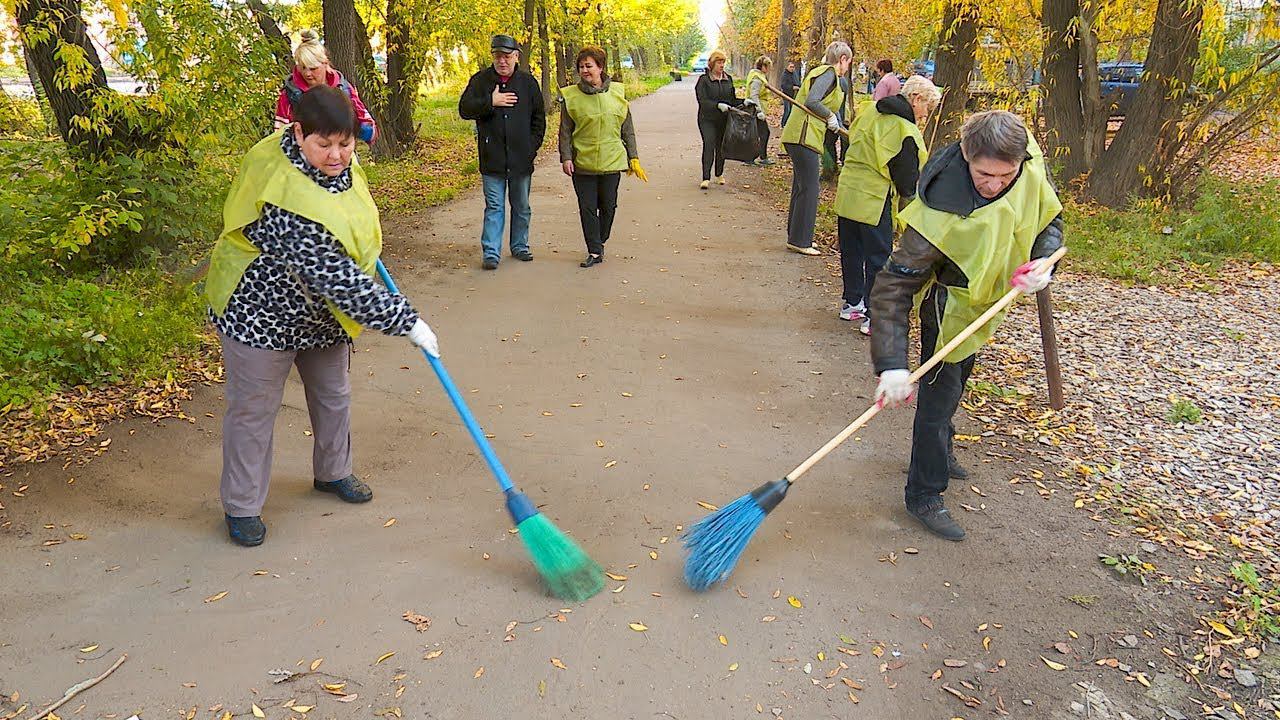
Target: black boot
(955, 470)
(591, 260)
(937, 518)
(350, 488)
(246, 531)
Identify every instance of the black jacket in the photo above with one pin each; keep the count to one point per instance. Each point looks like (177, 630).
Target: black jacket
(791, 82)
(711, 93)
(508, 138)
(945, 185)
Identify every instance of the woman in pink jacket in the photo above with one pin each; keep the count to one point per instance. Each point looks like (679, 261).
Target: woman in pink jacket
(312, 68)
(889, 84)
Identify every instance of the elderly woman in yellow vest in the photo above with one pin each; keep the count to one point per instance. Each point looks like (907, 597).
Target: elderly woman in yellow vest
(802, 138)
(886, 152)
(597, 144)
(758, 98)
(290, 285)
(984, 218)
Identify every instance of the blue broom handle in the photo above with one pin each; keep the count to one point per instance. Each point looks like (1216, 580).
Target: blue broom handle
(473, 427)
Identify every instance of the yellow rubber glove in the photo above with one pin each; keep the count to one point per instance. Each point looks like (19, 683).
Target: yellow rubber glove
(636, 170)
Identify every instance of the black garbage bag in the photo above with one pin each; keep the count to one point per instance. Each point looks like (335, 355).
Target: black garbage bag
(741, 138)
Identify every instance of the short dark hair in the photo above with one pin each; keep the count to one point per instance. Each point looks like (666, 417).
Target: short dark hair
(885, 65)
(996, 134)
(590, 51)
(328, 111)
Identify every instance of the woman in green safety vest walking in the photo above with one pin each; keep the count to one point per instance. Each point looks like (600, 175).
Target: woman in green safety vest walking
(759, 99)
(881, 168)
(290, 284)
(597, 144)
(802, 138)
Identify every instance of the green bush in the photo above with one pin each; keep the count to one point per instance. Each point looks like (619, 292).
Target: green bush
(20, 117)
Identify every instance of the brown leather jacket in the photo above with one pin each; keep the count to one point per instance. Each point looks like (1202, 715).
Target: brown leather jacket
(944, 185)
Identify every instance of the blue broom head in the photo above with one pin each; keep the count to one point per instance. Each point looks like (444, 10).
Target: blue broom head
(715, 542)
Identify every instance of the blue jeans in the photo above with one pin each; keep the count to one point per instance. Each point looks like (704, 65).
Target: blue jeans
(496, 190)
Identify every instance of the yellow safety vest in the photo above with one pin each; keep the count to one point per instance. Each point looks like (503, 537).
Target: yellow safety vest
(597, 127)
(267, 176)
(987, 246)
(755, 74)
(874, 139)
(804, 129)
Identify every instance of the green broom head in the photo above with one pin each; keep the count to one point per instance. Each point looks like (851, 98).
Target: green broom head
(568, 572)
(715, 542)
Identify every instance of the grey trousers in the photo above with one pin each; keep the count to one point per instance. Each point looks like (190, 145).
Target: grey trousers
(254, 388)
(806, 166)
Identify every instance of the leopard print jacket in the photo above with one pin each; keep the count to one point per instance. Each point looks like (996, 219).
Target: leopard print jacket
(280, 301)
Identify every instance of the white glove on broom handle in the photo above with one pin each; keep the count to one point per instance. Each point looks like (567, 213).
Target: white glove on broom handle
(920, 372)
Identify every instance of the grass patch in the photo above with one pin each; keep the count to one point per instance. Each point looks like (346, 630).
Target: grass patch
(438, 169)
(1183, 411)
(638, 87)
(1149, 244)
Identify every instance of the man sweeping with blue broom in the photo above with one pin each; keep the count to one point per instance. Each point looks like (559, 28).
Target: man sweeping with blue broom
(986, 217)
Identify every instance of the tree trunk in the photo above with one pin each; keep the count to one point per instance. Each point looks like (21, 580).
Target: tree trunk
(530, 16)
(404, 72)
(278, 41)
(544, 44)
(1063, 110)
(37, 89)
(818, 31)
(347, 41)
(785, 38)
(1136, 161)
(1095, 113)
(957, 45)
(67, 103)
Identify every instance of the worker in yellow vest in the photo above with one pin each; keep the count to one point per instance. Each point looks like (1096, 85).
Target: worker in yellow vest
(985, 217)
(802, 137)
(290, 284)
(886, 153)
(597, 144)
(758, 99)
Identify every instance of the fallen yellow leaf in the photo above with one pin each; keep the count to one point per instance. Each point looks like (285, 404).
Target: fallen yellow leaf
(707, 506)
(433, 655)
(653, 554)
(619, 578)
(384, 657)
(389, 523)
(334, 687)
(558, 663)
(1053, 665)
(618, 589)
(610, 464)
(733, 667)
(724, 641)
(479, 672)
(304, 709)
(638, 627)
(794, 601)
(216, 597)
(78, 536)
(257, 711)
(89, 649)
(315, 664)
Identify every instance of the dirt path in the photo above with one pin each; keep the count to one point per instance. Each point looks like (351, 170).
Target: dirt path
(701, 359)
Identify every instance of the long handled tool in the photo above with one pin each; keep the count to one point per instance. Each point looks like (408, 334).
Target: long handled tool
(569, 573)
(801, 106)
(715, 542)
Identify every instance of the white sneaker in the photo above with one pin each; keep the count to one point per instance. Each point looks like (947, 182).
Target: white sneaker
(865, 327)
(853, 312)
(804, 251)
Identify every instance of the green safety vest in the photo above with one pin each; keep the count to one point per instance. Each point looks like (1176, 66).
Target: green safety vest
(755, 74)
(987, 246)
(597, 127)
(874, 139)
(267, 176)
(804, 129)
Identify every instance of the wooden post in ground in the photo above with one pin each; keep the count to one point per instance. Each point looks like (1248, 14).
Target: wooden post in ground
(1049, 341)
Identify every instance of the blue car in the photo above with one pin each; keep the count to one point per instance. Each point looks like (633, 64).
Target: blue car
(1119, 84)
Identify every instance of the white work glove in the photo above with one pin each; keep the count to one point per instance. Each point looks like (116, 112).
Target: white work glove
(895, 388)
(422, 336)
(833, 122)
(748, 101)
(1032, 277)
(760, 115)
(722, 107)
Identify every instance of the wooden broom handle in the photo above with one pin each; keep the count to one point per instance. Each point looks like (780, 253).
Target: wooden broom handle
(920, 372)
(799, 104)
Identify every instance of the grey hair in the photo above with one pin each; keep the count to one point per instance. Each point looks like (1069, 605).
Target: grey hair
(996, 134)
(924, 87)
(837, 50)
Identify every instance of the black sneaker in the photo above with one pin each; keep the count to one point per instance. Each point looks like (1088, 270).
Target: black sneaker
(955, 470)
(349, 488)
(246, 531)
(522, 255)
(937, 518)
(591, 260)
(490, 264)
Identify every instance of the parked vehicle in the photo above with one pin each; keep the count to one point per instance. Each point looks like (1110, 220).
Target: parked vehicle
(1119, 85)
(700, 65)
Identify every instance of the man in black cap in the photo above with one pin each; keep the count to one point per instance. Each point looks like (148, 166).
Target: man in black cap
(505, 101)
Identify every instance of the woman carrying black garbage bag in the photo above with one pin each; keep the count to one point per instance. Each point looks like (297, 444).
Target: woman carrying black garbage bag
(715, 96)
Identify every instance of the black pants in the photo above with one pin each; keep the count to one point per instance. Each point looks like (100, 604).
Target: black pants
(938, 399)
(712, 131)
(597, 203)
(762, 129)
(864, 249)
